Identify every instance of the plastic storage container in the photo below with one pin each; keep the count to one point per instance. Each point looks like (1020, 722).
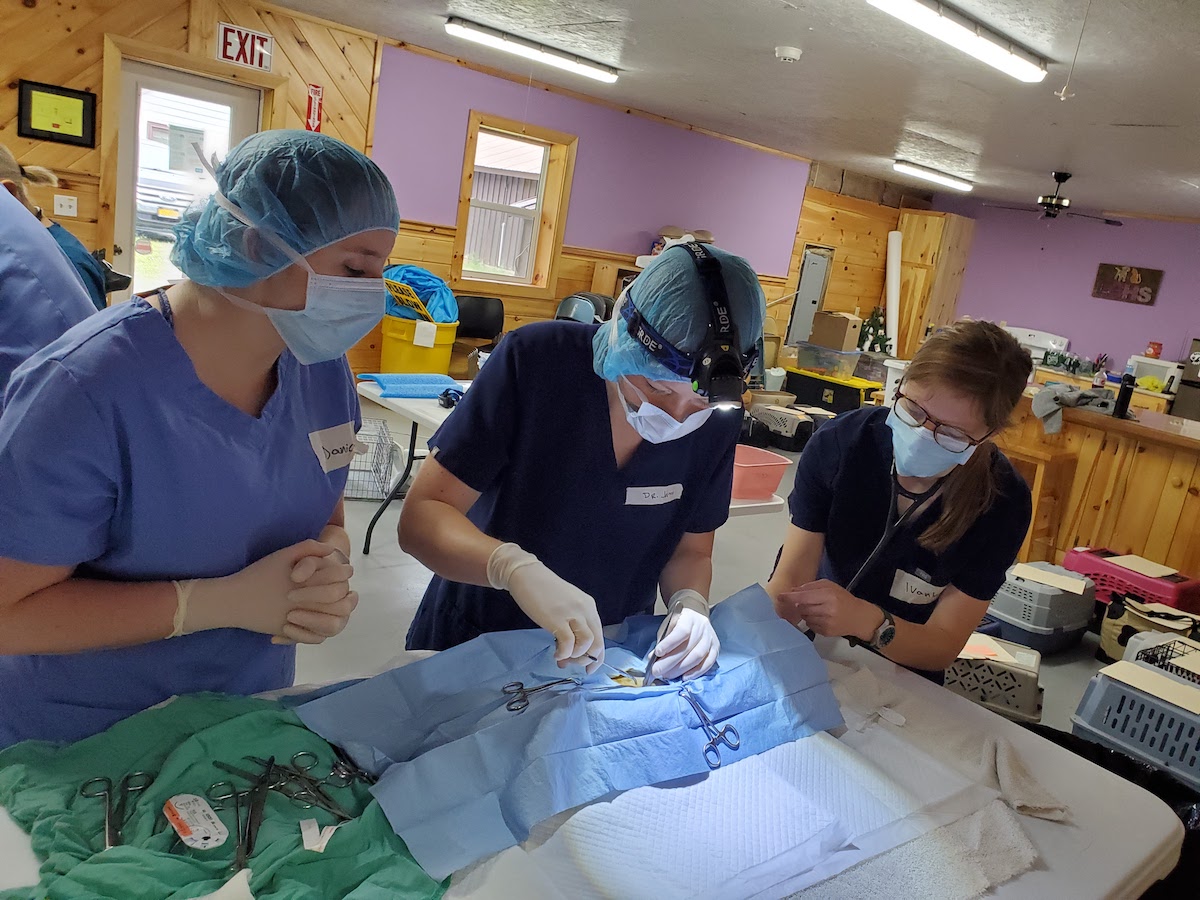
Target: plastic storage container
(895, 371)
(1039, 616)
(1141, 724)
(872, 366)
(771, 398)
(1172, 590)
(824, 361)
(1010, 689)
(401, 354)
(757, 473)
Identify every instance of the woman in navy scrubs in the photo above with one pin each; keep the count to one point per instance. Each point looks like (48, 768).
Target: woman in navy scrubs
(905, 520)
(587, 468)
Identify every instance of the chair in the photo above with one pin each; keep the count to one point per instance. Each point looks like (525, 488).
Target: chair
(576, 309)
(480, 323)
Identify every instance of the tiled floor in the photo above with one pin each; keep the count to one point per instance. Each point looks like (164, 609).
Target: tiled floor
(390, 584)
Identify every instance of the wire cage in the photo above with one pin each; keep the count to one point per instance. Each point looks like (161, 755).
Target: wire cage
(371, 472)
(1168, 656)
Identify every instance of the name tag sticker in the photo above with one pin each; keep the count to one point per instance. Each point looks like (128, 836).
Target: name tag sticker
(336, 447)
(653, 496)
(911, 589)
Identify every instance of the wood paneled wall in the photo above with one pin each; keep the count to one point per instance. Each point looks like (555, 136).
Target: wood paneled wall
(61, 42)
(857, 231)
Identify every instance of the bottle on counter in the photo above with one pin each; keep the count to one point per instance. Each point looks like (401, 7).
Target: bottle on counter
(1124, 395)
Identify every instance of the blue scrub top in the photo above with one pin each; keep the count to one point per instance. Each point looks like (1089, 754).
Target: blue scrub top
(41, 295)
(87, 267)
(843, 491)
(117, 459)
(532, 435)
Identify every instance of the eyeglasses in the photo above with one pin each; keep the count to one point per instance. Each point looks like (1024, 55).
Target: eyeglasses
(947, 436)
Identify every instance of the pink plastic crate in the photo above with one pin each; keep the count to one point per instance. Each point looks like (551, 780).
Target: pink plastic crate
(1177, 590)
(757, 473)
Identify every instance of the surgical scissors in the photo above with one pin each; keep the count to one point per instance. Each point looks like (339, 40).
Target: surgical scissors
(726, 734)
(297, 782)
(223, 794)
(520, 694)
(114, 817)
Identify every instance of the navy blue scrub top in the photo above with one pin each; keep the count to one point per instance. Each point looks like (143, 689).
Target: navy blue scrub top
(843, 490)
(532, 436)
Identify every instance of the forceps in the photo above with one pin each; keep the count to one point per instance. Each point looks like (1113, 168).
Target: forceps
(726, 734)
(520, 694)
(114, 816)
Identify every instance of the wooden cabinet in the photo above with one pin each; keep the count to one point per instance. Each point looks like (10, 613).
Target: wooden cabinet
(610, 277)
(933, 258)
(1140, 399)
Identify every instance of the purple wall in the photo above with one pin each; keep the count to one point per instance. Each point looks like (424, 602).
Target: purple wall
(632, 175)
(1038, 273)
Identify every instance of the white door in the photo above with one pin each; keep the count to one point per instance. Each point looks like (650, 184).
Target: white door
(814, 276)
(163, 112)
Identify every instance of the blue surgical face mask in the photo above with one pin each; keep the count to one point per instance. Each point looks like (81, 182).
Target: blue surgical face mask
(657, 425)
(339, 311)
(918, 455)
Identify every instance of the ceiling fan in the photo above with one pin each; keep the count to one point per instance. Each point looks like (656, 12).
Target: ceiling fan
(1053, 205)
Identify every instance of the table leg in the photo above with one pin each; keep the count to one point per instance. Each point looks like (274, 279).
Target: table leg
(396, 491)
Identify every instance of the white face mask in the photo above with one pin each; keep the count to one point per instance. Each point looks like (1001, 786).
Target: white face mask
(657, 425)
(339, 310)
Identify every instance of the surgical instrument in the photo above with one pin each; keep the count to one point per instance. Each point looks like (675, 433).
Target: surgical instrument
(258, 800)
(621, 673)
(114, 816)
(225, 795)
(307, 787)
(726, 734)
(347, 768)
(520, 694)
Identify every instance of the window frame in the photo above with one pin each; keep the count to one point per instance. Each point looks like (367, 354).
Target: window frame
(554, 196)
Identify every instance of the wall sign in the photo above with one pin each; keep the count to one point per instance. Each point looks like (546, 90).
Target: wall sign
(1128, 284)
(312, 119)
(46, 112)
(244, 47)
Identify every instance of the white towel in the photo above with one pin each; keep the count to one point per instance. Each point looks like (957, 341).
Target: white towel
(959, 861)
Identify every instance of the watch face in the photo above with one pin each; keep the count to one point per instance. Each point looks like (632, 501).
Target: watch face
(886, 633)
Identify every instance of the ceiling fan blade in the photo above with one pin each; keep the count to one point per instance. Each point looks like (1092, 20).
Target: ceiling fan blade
(1104, 219)
(1031, 209)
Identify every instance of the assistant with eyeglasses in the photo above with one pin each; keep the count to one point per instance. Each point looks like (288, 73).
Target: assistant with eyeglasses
(905, 519)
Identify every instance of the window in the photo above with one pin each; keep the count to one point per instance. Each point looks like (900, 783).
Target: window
(512, 205)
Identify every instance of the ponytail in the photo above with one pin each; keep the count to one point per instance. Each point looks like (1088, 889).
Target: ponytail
(11, 170)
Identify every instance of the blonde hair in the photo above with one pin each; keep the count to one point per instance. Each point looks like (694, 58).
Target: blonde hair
(984, 363)
(11, 170)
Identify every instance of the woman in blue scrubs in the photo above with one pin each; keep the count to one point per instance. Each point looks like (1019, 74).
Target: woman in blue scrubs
(587, 467)
(40, 294)
(905, 520)
(171, 520)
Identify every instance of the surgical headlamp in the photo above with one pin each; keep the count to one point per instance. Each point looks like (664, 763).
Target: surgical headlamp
(717, 368)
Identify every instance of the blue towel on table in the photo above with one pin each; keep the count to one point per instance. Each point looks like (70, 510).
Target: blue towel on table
(412, 386)
(461, 777)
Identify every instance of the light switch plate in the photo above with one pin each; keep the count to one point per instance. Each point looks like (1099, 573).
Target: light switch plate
(66, 205)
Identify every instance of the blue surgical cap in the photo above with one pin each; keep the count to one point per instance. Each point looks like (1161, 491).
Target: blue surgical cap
(671, 296)
(309, 189)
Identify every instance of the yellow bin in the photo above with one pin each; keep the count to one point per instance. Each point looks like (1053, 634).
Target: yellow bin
(401, 354)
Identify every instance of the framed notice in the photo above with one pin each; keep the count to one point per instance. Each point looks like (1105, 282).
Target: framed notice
(49, 113)
(1128, 284)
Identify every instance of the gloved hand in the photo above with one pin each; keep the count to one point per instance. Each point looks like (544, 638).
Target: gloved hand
(262, 596)
(687, 644)
(554, 604)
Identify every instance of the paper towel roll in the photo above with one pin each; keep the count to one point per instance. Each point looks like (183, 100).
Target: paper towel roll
(892, 290)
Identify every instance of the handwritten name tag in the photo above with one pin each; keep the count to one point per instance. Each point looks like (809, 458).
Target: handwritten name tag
(335, 447)
(653, 496)
(912, 589)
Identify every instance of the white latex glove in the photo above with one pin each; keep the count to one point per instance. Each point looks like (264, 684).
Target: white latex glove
(552, 603)
(264, 596)
(687, 644)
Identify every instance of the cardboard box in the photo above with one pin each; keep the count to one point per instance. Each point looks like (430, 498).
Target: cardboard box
(836, 330)
(787, 356)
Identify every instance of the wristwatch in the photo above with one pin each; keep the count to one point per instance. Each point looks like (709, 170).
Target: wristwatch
(885, 632)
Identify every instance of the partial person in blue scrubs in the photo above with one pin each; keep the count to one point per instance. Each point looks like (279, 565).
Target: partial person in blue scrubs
(587, 468)
(173, 468)
(906, 519)
(14, 178)
(41, 296)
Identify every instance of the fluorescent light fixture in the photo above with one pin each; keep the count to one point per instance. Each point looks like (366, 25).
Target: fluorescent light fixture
(948, 25)
(510, 43)
(932, 175)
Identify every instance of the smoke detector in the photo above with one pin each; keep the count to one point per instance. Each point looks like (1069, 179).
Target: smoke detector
(787, 54)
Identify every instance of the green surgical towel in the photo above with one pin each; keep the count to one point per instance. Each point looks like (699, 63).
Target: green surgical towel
(178, 743)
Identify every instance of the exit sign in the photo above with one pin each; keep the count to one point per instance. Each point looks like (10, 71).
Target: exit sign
(244, 47)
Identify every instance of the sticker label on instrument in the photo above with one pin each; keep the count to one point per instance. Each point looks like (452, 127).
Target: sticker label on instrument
(653, 496)
(314, 837)
(336, 447)
(911, 589)
(195, 822)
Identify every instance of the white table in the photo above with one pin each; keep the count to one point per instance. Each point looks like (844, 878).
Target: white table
(1120, 839)
(430, 414)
